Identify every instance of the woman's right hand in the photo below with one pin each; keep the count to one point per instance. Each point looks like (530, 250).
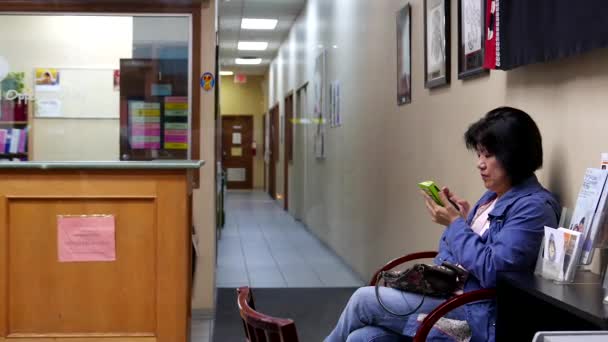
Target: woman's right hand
(463, 205)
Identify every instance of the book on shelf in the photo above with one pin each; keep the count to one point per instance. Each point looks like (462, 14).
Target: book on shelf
(13, 140)
(589, 213)
(561, 250)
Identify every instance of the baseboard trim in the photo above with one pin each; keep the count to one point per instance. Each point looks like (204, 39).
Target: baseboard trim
(203, 314)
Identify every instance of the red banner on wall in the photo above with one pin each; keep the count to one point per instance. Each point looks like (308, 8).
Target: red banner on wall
(491, 34)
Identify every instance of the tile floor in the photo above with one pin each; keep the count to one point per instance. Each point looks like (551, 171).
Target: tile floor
(261, 245)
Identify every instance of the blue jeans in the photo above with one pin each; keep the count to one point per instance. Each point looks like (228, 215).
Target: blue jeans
(364, 320)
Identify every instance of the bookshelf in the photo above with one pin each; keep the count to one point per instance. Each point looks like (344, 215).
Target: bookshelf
(24, 127)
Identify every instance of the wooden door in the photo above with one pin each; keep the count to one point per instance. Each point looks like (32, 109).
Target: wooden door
(237, 161)
(274, 151)
(288, 153)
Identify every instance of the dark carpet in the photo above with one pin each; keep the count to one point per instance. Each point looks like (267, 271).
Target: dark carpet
(314, 310)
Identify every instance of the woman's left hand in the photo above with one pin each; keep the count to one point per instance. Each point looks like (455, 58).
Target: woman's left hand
(441, 215)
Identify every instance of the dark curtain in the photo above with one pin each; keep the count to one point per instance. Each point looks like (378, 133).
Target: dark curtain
(535, 31)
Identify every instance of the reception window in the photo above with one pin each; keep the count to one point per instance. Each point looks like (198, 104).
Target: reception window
(104, 87)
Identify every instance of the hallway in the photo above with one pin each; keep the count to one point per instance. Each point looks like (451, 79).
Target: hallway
(263, 246)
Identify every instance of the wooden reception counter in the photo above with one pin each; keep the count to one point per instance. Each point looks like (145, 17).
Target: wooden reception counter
(142, 295)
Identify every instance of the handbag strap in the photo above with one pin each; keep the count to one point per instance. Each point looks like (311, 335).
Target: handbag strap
(377, 289)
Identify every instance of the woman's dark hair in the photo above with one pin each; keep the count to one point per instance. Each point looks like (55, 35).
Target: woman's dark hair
(512, 136)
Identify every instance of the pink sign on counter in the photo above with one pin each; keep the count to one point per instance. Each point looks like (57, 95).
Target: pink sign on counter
(86, 238)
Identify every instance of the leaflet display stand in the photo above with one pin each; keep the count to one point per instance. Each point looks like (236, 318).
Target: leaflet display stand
(599, 250)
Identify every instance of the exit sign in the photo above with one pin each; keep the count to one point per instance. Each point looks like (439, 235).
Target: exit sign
(240, 78)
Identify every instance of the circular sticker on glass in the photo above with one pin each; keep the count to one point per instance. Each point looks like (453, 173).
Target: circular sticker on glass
(207, 81)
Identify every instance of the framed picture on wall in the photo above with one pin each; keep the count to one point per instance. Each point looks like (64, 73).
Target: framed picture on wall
(404, 56)
(471, 38)
(320, 99)
(436, 43)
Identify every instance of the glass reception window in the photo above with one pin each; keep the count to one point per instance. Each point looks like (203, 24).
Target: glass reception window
(154, 90)
(84, 87)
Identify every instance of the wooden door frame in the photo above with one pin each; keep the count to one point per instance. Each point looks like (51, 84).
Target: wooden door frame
(273, 121)
(262, 149)
(191, 7)
(287, 146)
(251, 118)
(300, 151)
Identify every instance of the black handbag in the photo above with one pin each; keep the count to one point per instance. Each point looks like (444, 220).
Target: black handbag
(441, 281)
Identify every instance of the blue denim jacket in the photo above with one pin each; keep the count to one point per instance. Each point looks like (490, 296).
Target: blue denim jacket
(510, 244)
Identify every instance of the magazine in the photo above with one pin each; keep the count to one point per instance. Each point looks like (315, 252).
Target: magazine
(561, 250)
(588, 213)
(553, 256)
(572, 251)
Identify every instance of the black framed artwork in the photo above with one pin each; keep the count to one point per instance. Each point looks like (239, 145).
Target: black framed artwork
(471, 38)
(404, 55)
(436, 43)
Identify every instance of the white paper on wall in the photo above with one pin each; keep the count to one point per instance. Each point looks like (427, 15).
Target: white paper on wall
(237, 174)
(236, 138)
(48, 108)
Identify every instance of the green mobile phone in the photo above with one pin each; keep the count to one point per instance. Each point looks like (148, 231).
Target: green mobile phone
(432, 190)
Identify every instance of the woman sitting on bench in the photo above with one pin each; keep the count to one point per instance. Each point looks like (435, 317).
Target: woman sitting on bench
(502, 232)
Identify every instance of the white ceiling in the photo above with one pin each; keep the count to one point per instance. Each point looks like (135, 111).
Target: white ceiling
(230, 14)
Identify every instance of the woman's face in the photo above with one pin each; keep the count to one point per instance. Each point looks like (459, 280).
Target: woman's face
(492, 173)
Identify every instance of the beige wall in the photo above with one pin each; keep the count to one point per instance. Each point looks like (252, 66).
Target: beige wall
(204, 197)
(247, 99)
(362, 199)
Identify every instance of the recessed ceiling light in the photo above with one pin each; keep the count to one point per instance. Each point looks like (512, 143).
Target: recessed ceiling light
(248, 61)
(253, 46)
(226, 73)
(258, 24)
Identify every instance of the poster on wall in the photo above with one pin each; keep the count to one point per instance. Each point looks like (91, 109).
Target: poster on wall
(337, 86)
(404, 66)
(332, 120)
(437, 43)
(471, 38)
(47, 79)
(334, 104)
(319, 86)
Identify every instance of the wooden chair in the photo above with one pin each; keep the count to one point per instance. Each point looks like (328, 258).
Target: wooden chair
(260, 327)
(447, 306)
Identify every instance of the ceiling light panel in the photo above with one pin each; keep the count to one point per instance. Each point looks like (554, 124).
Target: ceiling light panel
(258, 24)
(248, 61)
(253, 46)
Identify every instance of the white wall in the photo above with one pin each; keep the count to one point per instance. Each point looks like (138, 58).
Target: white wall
(81, 42)
(204, 197)
(362, 199)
